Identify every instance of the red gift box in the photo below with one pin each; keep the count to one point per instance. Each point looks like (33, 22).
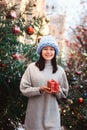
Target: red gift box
(53, 85)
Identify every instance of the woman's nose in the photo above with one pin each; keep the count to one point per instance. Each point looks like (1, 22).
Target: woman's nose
(48, 51)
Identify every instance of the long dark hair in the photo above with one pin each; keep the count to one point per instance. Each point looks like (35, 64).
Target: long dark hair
(41, 63)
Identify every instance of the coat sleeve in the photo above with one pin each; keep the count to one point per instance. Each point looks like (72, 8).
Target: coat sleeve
(64, 86)
(26, 85)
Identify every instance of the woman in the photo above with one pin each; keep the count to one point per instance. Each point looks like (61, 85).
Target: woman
(43, 110)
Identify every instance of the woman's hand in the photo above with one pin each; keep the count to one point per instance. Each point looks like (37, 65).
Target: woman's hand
(47, 90)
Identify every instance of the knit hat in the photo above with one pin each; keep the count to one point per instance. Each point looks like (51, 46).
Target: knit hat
(47, 41)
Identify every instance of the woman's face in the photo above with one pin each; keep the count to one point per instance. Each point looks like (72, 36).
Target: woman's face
(48, 53)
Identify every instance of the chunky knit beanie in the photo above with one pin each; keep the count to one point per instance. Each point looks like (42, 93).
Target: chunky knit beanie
(47, 41)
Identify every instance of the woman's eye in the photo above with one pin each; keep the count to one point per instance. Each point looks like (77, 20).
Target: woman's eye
(52, 49)
(45, 49)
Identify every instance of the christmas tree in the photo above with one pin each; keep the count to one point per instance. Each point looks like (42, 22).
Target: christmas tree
(74, 109)
(15, 55)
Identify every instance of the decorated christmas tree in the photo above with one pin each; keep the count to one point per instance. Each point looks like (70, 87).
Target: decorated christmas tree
(74, 109)
(15, 54)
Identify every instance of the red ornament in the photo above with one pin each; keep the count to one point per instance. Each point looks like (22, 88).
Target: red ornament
(3, 65)
(78, 36)
(80, 100)
(30, 30)
(79, 72)
(16, 56)
(16, 29)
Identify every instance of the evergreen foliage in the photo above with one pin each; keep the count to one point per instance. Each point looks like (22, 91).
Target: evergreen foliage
(14, 58)
(74, 109)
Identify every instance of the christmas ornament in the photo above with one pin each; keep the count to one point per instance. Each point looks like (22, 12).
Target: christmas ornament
(3, 65)
(16, 29)
(74, 79)
(78, 36)
(81, 100)
(79, 72)
(70, 126)
(11, 15)
(16, 56)
(70, 101)
(30, 30)
(81, 86)
(85, 94)
(20, 58)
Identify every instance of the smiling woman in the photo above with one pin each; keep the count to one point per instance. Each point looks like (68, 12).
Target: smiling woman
(41, 81)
